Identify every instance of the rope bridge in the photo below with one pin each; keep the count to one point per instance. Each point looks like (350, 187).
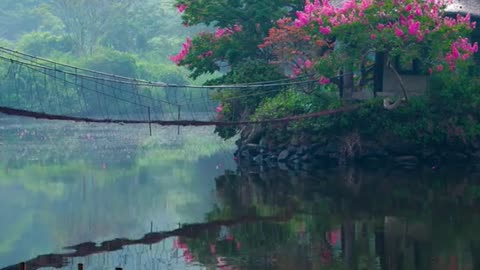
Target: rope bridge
(39, 88)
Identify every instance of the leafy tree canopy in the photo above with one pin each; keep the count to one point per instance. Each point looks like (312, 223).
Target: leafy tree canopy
(348, 34)
(240, 26)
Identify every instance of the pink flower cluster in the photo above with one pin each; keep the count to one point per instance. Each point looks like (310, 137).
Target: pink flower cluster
(404, 18)
(327, 15)
(324, 80)
(205, 54)
(183, 53)
(407, 24)
(187, 254)
(219, 108)
(409, 20)
(186, 46)
(227, 31)
(301, 65)
(182, 7)
(461, 49)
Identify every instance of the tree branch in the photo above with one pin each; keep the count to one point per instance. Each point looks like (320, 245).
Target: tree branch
(399, 78)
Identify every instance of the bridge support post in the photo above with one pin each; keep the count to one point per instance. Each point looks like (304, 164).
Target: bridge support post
(149, 121)
(178, 118)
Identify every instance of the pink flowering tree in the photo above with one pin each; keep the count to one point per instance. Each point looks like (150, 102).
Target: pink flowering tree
(347, 35)
(237, 28)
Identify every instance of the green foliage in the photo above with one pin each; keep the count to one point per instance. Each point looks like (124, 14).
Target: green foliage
(162, 46)
(6, 43)
(113, 62)
(18, 17)
(240, 52)
(49, 22)
(295, 102)
(240, 103)
(358, 28)
(160, 72)
(128, 38)
(455, 93)
(134, 38)
(44, 43)
(128, 26)
(447, 114)
(252, 18)
(410, 121)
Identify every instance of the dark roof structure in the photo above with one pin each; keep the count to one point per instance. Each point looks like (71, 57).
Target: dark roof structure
(471, 7)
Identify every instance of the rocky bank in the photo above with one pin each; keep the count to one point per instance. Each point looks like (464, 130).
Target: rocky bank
(255, 148)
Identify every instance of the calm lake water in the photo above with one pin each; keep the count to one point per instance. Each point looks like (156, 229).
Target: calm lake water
(120, 198)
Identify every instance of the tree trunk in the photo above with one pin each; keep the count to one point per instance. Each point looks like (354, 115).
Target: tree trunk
(348, 85)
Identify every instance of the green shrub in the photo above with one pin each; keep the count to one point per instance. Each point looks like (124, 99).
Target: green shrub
(44, 43)
(448, 113)
(111, 61)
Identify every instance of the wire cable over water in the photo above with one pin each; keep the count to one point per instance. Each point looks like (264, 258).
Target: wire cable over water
(25, 113)
(46, 89)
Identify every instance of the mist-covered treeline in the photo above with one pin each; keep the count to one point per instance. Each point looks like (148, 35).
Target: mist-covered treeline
(78, 31)
(131, 38)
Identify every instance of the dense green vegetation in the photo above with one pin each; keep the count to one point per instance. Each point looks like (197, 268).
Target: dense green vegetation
(135, 39)
(127, 38)
(446, 115)
(285, 39)
(55, 27)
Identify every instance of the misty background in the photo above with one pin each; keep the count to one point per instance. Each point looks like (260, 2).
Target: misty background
(131, 38)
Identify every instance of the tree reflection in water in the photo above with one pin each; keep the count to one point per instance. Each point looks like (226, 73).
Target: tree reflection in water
(332, 219)
(385, 219)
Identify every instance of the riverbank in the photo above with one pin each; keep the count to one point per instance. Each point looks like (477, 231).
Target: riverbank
(353, 150)
(417, 134)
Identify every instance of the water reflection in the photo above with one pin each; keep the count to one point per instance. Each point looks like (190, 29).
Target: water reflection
(339, 219)
(189, 230)
(352, 219)
(184, 206)
(63, 184)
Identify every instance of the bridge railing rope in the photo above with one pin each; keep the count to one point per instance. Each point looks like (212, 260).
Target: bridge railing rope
(40, 88)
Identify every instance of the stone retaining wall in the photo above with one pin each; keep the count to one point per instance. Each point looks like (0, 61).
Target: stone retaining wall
(339, 151)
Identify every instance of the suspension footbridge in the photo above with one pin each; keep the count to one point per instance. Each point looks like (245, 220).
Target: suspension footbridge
(44, 89)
